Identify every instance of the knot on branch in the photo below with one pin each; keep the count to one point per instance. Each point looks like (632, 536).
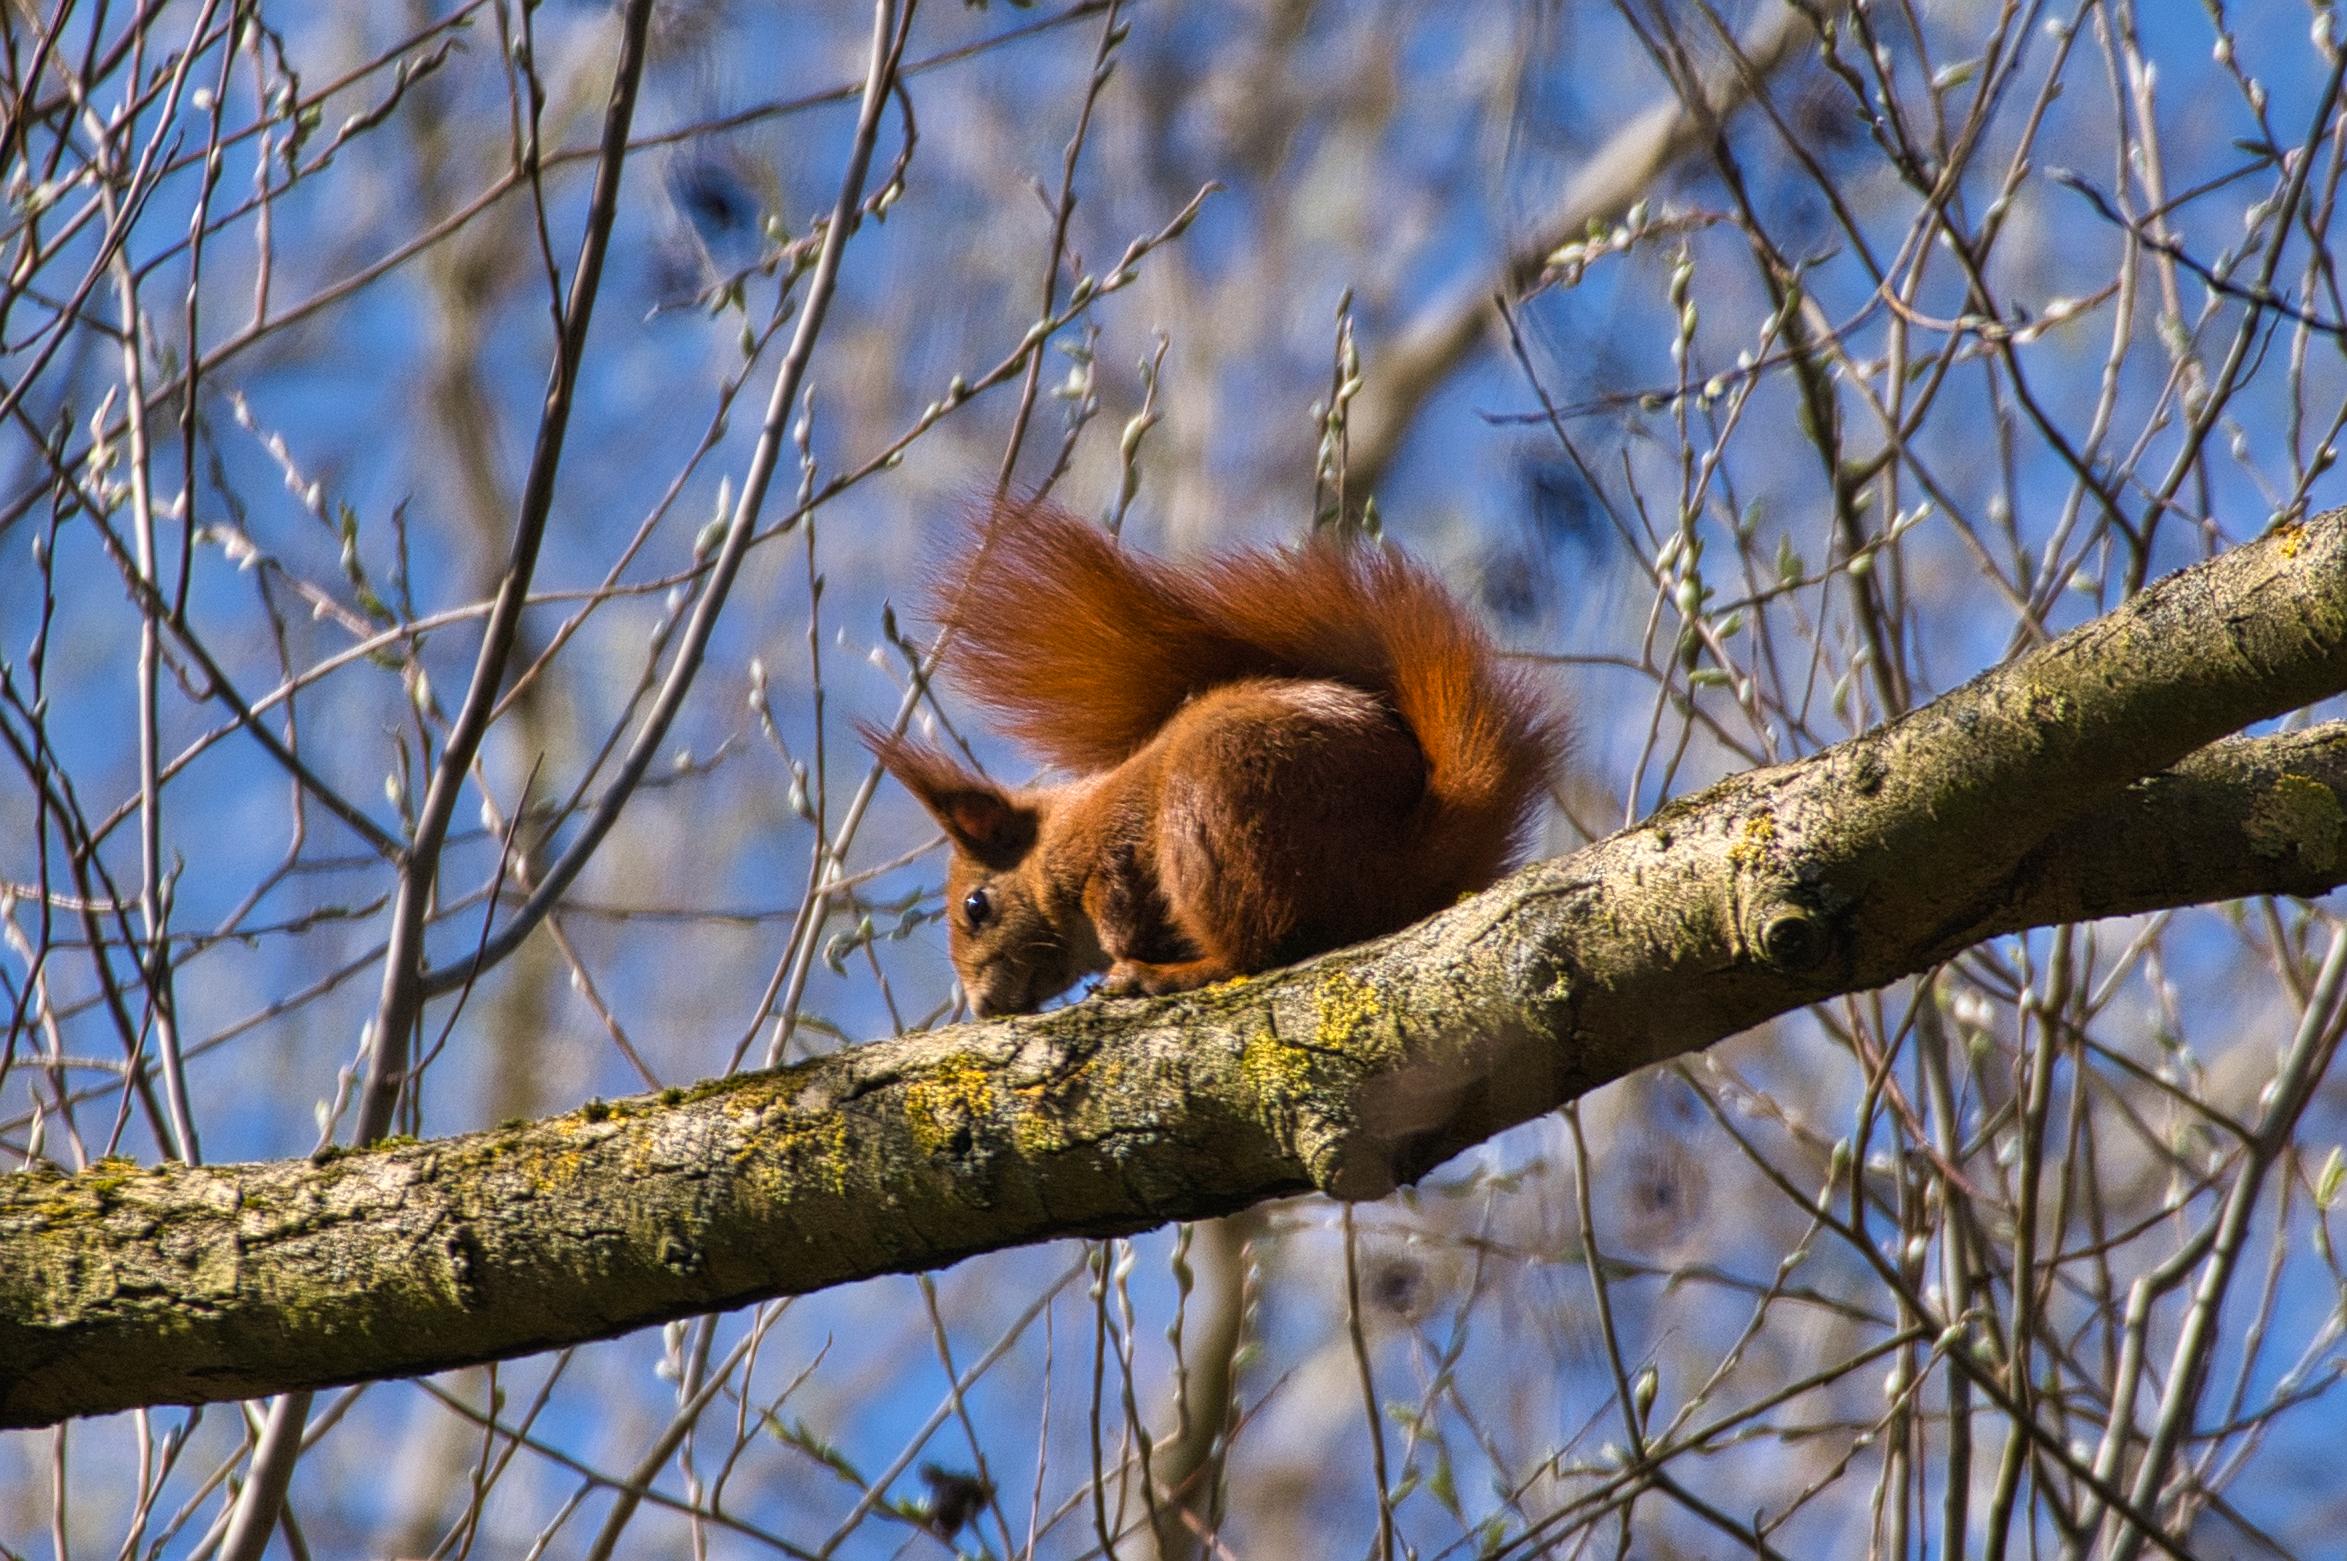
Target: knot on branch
(1788, 933)
(1345, 1163)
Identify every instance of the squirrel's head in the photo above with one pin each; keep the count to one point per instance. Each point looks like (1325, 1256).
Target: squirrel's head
(1012, 945)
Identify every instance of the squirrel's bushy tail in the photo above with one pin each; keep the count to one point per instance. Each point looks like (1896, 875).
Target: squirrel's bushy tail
(1083, 650)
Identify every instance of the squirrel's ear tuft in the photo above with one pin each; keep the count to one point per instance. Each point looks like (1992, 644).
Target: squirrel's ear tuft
(979, 816)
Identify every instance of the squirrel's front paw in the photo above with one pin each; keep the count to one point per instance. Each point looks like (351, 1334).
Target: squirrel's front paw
(1125, 978)
(1139, 978)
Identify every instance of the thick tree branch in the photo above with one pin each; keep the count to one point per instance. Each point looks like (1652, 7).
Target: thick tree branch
(2077, 781)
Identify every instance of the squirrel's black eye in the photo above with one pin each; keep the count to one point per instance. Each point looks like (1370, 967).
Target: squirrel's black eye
(977, 905)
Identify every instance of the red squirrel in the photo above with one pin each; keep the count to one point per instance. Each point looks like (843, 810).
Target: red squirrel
(1273, 754)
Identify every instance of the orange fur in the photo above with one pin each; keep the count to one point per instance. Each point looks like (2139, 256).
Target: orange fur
(1276, 753)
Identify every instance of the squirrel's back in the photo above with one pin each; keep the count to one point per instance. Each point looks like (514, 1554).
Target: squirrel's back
(1084, 650)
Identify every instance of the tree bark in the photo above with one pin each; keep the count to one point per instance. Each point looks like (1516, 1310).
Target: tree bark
(2078, 781)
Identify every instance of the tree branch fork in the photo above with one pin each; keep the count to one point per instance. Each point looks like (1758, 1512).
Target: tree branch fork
(2092, 777)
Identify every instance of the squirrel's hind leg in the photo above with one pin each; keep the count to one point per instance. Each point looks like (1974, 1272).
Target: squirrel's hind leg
(1283, 827)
